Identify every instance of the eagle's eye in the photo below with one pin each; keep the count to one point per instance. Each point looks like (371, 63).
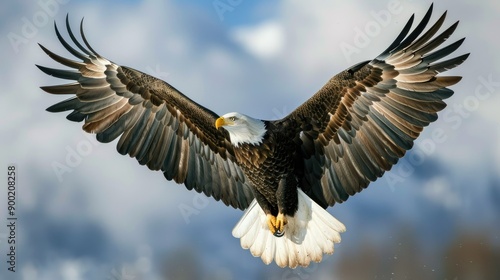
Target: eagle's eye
(232, 119)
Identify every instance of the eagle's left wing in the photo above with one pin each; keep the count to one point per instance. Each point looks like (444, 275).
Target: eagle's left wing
(365, 118)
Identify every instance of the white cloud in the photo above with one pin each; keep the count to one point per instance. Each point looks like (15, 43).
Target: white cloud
(263, 40)
(72, 269)
(439, 191)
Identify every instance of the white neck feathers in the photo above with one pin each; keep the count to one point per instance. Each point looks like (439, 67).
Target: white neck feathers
(246, 130)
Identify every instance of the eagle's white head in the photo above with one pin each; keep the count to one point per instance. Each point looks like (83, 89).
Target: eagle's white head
(242, 129)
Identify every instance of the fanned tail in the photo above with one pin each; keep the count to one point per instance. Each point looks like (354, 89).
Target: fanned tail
(309, 234)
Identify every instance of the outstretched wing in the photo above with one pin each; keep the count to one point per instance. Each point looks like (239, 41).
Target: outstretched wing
(158, 125)
(365, 118)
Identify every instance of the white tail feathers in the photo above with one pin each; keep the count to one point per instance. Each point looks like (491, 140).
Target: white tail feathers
(309, 234)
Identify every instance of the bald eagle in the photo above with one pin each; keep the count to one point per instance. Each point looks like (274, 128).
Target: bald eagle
(285, 172)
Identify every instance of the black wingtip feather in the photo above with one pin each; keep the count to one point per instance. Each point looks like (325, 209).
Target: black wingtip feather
(73, 38)
(65, 43)
(60, 59)
(75, 116)
(443, 52)
(417, 31)
(463, 57)
(55, 109)
(398, 39)
(58, 73)
(85, 40)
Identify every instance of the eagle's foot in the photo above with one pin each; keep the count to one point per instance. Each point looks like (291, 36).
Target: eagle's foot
(277, 224)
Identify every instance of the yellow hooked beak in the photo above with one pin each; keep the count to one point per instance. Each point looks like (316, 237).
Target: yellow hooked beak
(220, 122)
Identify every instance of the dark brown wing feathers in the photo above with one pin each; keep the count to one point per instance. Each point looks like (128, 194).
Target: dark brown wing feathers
(155, 123)
(372, 113)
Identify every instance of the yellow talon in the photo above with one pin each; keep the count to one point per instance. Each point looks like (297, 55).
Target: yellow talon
(276, 224)
(281, 222)
(271, 223)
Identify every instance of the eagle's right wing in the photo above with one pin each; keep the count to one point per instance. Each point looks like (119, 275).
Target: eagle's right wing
(158, 125)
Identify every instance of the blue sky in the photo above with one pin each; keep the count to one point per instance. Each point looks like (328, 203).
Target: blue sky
(107, 217)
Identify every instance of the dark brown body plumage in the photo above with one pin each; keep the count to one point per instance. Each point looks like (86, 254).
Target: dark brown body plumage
(272, 167)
